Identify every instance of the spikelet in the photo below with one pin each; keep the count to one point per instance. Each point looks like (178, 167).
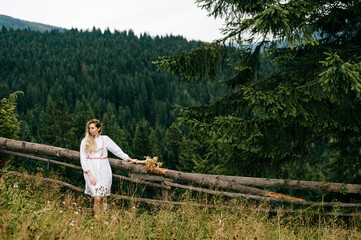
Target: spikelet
(152, 163)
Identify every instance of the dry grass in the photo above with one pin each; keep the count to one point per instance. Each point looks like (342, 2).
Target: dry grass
(31, 209)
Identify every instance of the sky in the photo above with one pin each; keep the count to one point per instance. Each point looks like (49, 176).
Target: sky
(154, 17)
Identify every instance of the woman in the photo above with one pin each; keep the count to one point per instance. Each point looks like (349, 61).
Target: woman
(94, 161)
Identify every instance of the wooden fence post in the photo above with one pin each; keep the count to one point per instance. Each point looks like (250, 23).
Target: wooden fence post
(164, 192)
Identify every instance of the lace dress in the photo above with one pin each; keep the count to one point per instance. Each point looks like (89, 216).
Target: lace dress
(98, 164)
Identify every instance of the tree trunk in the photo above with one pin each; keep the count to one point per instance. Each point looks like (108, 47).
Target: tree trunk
(218, 181)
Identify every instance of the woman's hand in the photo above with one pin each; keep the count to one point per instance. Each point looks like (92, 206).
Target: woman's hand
(92, 179)
(130, 160)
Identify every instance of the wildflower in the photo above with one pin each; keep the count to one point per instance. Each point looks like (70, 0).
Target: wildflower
(48, 202)
(76, 213)
(91, 227)
(138, 206)
(60, 211)
(64, 202)
(106, 223)
(15, 186)
(72, 223)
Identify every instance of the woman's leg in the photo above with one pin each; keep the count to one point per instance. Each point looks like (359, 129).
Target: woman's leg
(105, 203)
(97, 200)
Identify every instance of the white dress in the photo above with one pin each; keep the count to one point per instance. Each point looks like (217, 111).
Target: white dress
(98, 164)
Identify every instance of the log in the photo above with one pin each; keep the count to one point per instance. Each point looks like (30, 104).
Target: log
(62, 153)
(135, 180)
(274, 183)
(40, 159)
(263, 199)
(213, 181)
(144, 179)
(235, 183)
(148, 177)
(295, 184)
(42, 149)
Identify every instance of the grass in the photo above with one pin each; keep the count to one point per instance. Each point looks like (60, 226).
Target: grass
(32, 209)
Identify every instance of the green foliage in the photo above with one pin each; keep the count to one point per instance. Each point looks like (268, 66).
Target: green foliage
(118, 135)
(182, 65)
(57, 127)
(306, 110)
(141, 141)
(200, 155)
(9, 123)
(173, 144)
(84, 114)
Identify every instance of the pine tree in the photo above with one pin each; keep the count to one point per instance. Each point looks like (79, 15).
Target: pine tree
(157, 142)
(141, 143)
(57, 126)
(312, 98)
(84, 113)
(173, 142)
(9, 123)
(118, 135)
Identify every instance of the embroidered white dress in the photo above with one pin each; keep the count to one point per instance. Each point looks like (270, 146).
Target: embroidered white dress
(98, 164)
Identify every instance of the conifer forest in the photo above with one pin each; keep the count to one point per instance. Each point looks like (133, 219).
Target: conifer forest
(69, 78)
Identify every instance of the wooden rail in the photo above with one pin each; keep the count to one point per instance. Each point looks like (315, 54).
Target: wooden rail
(139, 174)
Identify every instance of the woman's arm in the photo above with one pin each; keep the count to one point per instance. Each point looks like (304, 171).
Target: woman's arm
(115, 149)
(83, 161)
(84, 165)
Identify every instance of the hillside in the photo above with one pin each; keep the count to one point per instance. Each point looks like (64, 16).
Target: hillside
(68, 78)
(15, 23)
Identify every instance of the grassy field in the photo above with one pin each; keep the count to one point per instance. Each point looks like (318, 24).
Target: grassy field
(32, 209)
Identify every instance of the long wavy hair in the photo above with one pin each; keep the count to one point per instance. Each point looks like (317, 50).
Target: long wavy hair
(90, 144)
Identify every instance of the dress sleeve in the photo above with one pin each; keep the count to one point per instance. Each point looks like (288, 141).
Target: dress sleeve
(114, 148)
(83, 160)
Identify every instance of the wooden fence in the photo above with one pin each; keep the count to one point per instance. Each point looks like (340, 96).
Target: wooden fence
(240, 187)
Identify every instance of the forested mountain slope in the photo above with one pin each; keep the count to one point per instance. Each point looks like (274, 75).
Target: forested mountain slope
(68, 78)
(15, 23)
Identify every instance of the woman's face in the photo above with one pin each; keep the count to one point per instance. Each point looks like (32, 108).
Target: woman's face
(93, 130)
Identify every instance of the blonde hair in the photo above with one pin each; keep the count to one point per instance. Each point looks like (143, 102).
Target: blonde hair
(90, 144)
